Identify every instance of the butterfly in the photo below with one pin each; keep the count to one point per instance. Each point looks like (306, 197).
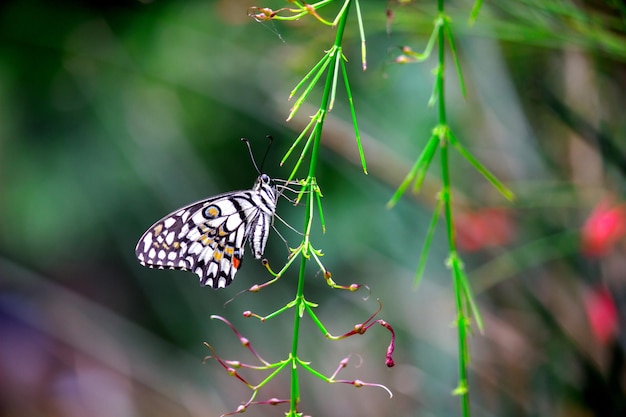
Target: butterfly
(208, 237)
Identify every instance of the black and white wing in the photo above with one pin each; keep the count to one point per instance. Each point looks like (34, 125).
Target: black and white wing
(208, 237)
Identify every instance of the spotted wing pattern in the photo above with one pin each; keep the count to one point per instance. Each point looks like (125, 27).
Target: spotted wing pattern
(208, 237)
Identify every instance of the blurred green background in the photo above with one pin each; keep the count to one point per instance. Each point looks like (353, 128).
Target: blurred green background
(113, 114)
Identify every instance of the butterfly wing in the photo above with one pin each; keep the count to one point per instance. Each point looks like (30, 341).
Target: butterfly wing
(206, 238)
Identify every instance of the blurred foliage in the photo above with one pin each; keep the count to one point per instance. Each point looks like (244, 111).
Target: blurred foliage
(115, 113)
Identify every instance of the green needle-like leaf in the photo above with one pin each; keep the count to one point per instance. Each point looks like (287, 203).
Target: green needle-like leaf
(337, 56)
(308, 144)
(353, 114)
(299, 138)
(427, 243)
(504, 190)
(318, 197)
(417, 171)
(469, 296)
(325, 62)
(359, 19)
(455, 56)
(314, 70)
(475, 11)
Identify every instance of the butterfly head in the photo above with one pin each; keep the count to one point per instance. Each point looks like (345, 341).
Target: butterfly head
(265, 185)
(265, 179)
(262, 181)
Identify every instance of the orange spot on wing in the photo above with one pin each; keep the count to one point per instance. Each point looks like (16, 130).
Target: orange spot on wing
(212, 211)
(206, 241)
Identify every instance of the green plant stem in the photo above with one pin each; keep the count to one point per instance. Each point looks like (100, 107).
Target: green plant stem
(446, 195)
(295, 388)
(310, 203)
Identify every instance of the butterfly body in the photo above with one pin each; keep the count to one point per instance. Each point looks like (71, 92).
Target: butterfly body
(208, 237)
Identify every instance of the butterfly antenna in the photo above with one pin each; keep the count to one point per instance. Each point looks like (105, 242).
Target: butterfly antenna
(252, 155)
(267, 150)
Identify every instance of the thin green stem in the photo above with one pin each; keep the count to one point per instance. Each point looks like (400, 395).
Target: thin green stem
(441, 69)
(446, 196)
(461, 324)
(328, 87)
(295, 386)
(331, 77)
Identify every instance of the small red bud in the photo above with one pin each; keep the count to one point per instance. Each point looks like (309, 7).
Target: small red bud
(604, 227)
(602, 314)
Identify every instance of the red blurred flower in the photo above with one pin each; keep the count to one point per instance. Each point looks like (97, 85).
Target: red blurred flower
(605, 226)
(485, 228)
(602, 314)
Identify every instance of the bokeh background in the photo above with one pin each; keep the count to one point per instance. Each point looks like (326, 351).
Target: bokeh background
(115, 113)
